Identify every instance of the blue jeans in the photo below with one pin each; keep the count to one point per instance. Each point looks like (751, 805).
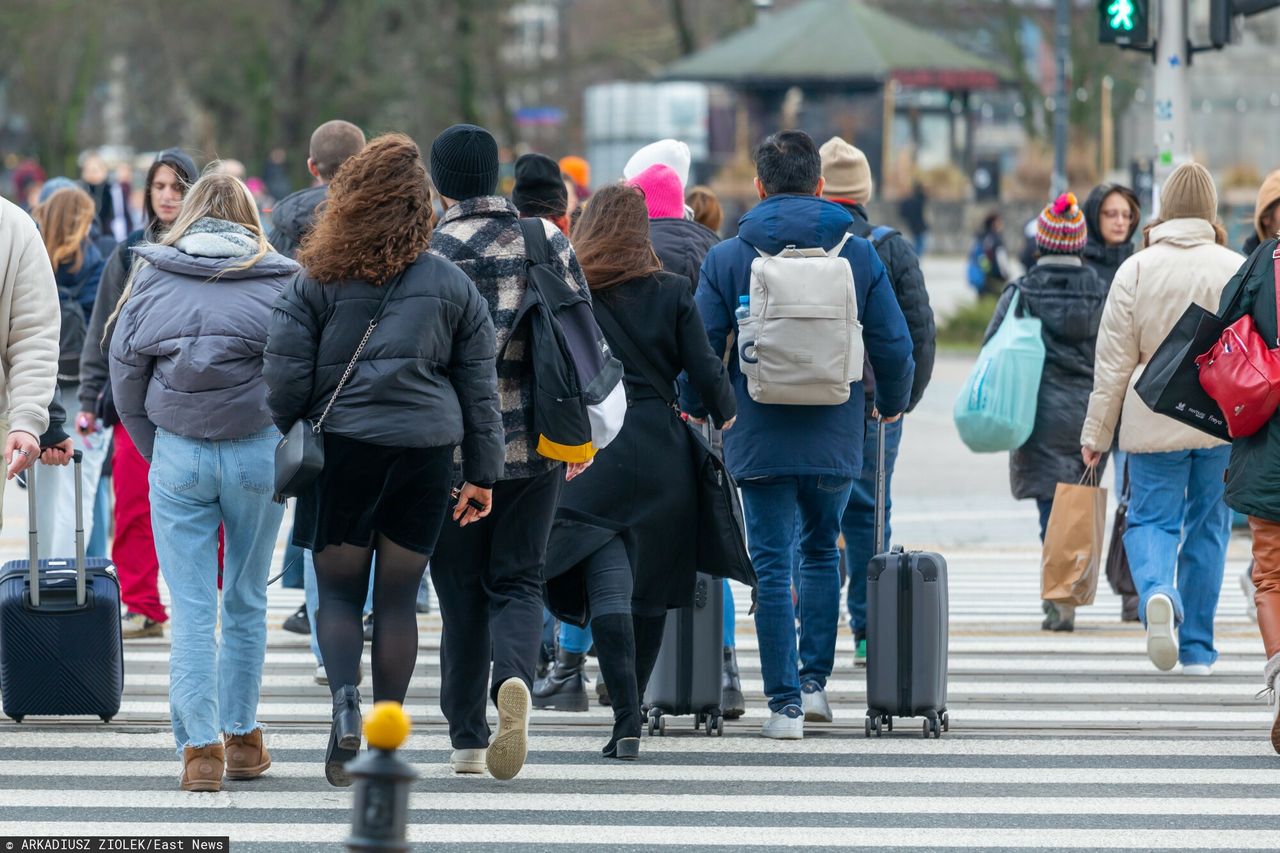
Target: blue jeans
(197, 485)
(101, 522)
(770, 505)
(292, 568)
(574, 639)
(859, 521)
(730, 617)
(312, 593)
(1175, 499)
(1045, 509)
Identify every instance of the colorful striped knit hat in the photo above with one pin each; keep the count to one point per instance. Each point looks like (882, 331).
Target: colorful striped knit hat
(1060, 229)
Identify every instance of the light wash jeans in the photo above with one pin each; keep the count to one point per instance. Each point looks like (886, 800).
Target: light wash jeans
(197, 485)
(1176, 541)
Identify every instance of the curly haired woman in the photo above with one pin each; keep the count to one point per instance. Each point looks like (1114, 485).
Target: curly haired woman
(424, 382)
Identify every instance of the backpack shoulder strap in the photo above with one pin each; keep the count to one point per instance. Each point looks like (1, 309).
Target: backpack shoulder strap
(881, 233)
(537, 249)
(633, 354)
(839, 247)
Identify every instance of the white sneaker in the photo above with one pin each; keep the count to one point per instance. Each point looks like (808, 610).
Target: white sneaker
(1249, 590)
(467, 760)
(787, 724)
(510, 746)
(322, 677)
(814, 701)
(1162, 637)
(1199, 669)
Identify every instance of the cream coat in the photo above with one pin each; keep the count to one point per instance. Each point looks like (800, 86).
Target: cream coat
(1150, 292)
(29, 323)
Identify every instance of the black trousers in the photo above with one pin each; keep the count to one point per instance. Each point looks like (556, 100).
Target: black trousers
(488, 577)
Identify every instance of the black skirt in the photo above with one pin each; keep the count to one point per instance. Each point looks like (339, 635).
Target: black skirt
(365, 489)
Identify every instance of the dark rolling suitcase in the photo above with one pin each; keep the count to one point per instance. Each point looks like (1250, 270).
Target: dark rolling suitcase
(906, 630)
(60, 646)
(686, 677)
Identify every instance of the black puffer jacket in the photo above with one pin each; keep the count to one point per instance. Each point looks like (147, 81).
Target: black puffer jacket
(1104, 259)
(903, 266)
(425, 379)
(1068, 299)
(292, 218)
(681, 245)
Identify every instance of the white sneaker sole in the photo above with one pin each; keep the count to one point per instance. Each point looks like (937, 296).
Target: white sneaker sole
(816, 713)
(791, 732)
(1162, 641)
(506, 754)
(468, 766)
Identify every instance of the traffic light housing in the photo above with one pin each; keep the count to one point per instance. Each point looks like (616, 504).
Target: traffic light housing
(1123, 21)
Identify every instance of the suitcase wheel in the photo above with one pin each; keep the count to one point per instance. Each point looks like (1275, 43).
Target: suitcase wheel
(946, 721)
(866, 726)
(698, 720)
(887, 722)
(106, 718)
(715, 725)
(17, 718)
(662, 726)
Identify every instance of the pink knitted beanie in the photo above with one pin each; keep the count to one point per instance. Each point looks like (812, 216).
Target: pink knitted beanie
(663, 193)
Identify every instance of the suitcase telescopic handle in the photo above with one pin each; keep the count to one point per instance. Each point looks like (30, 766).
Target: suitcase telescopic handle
(33, 536)
(881, 545)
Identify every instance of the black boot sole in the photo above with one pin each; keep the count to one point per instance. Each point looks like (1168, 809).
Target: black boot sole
(626, 749)
(340, 751)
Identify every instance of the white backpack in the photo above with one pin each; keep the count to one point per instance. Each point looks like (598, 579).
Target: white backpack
(802, 343)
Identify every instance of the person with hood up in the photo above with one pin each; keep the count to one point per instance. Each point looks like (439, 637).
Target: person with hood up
(787, 456)
(1266, 224)
(133, 550)
(848, 183)
(1067, 297)
(1111, 215)
(1178, 525)
(332, 143)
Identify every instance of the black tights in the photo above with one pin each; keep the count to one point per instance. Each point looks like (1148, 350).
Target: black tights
(342, 577)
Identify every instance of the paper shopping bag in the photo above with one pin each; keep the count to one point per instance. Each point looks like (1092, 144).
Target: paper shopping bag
(1073, 551)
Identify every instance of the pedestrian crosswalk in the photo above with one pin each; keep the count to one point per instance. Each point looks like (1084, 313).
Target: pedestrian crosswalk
(1057, 741)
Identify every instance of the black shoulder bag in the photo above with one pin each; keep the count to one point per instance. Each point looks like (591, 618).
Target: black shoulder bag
(722, 546)
(300, 453)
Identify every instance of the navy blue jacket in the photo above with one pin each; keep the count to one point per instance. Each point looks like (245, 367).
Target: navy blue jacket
(771, 440)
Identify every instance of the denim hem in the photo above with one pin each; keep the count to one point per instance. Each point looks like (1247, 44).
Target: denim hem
(198, 745)
(777, 703)
(247, 730)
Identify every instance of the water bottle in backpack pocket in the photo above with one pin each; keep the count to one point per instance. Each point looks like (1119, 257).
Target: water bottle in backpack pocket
(801, 343)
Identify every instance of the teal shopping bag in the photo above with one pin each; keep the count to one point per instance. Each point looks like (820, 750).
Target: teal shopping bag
(996, 409)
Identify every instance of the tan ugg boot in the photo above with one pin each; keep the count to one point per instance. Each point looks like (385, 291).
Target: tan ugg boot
(202, 767)
(247, 756)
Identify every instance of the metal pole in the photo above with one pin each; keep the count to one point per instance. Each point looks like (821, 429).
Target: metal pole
(1061, 100)
(1172, 94)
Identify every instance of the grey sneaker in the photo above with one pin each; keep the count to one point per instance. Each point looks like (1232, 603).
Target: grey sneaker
(814, 699)
(467, 760)
(787, 724)
(135, 626)
(510, 745)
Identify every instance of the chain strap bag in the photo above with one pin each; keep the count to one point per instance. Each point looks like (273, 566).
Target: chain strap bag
(300, 453)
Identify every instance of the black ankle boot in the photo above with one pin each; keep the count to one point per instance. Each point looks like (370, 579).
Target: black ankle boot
(344, 736)
(616, 654)
(564, 688)
(732, 704)
(648, 631)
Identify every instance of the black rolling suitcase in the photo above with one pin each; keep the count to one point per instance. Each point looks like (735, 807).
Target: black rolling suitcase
(687, 675)
(906, 630)
(60, 646)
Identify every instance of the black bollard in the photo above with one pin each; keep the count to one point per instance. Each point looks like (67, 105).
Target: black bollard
(381, 808)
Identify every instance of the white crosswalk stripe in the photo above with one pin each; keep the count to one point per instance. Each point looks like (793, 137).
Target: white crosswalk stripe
(1057, 742)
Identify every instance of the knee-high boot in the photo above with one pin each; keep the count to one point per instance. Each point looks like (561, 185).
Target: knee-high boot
(648, 638)
(616, 654)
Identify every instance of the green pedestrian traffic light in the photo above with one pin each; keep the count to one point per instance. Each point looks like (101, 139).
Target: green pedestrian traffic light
(1122, 21)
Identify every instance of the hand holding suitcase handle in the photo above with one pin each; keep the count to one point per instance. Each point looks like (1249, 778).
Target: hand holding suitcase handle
(33, 543)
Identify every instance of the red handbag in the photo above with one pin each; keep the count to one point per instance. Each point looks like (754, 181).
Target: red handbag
(1242, 374)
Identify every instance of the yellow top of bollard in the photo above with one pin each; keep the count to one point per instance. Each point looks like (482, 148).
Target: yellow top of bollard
(387, 725)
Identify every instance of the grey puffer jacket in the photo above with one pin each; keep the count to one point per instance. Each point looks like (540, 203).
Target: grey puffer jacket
(1068, 298)
(426, 377)
(293, 217)
(186, 354)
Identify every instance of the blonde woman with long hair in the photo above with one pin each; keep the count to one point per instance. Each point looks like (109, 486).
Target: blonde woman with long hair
(186, 369)
(65, 216)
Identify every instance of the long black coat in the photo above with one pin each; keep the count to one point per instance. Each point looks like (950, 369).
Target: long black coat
(641, 486)
(1068, 300)
(681, 245)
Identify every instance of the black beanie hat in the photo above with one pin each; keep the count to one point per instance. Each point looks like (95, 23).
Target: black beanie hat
(464, 162)
(539, 189)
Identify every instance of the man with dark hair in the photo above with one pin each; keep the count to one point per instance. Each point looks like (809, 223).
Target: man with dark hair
(790, 458)
(332, 144)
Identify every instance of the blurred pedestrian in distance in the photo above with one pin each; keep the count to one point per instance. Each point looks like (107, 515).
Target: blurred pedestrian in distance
(988, 259)
(1266, 223)
(332, 144)
(913, 211)
(579, 171)
(105, 243)
(229, 166)
(27, 179)
(28, 338)
(1178, 525)
(66, 219)
(488, 575)
(260, 195)
(391, 430)
(805, 456)
(1111, 215)
(848, 183)
(133, 549)
(1254, 467)
(630, 522)
(1067, 297)
(110, 198)
(540, 191)
(706, 208)
(186, 368)
(680, 243)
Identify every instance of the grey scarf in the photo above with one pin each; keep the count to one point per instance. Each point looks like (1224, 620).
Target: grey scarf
(217, 238)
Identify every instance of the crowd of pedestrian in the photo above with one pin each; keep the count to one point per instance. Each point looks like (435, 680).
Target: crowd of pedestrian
(391, 310)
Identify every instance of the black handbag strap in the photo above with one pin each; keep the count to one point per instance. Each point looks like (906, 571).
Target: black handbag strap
(633, 354)
(351, 365)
